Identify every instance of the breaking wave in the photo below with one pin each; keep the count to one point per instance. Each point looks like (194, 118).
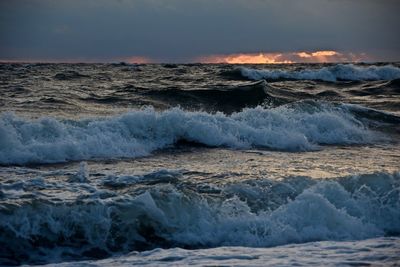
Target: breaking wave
(300, 126)
(340, 72)
(260, 213)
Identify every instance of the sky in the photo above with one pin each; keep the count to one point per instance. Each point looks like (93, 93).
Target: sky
(182, 31)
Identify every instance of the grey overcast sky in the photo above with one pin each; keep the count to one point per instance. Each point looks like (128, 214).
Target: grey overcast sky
(184, 30)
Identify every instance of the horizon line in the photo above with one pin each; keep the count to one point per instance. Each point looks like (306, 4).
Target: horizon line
(188, 63)
(241, 58)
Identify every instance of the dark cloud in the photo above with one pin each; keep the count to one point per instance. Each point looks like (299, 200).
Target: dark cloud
(181, 30)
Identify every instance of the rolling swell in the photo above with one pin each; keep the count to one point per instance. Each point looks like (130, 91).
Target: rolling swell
(259, 213)
(226, 99)
(69, 75)
(334, 73)
(299, 126)
(387, 88)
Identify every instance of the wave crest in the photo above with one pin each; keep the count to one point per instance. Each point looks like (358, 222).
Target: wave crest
(301, 126)
(348, 208)
(340, 72)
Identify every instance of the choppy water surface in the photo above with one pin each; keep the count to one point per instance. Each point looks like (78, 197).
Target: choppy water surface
(118, 164)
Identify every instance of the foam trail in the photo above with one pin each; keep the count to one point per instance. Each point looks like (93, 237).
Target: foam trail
(349, 208)
(369, 252)
(300, 127)
(348, 72)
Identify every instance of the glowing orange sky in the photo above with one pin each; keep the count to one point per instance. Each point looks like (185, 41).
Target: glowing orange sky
(260, 58)
(324, 56)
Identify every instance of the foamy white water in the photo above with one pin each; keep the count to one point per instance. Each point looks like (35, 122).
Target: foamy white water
(376, 252)
(301, 127)
(121, 165)
(335, 73)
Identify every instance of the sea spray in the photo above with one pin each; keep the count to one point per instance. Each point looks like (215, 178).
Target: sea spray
(171, 215)
(301, 126)
(334, 73)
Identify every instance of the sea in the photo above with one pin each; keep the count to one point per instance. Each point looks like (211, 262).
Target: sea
(200, 164)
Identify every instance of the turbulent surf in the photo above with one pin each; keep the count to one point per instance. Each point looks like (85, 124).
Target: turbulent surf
(122, 164)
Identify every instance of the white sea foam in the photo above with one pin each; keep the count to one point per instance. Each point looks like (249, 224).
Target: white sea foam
(300, 127)
(348, 72)
(375, 252)
(350, 208)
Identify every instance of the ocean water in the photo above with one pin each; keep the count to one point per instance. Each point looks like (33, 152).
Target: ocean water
(207, 165)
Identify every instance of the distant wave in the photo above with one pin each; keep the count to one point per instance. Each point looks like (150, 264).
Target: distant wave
(261, 213)
(300, 126)
(69, 75)
(224, 98)
(340, 72)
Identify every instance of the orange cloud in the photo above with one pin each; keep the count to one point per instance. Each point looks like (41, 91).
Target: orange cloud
(324, 56)
(261, 58)
(324, 53)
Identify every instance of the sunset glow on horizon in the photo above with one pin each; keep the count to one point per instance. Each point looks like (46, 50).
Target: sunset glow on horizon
(323, 56)
(261, 58)
(138, 60)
